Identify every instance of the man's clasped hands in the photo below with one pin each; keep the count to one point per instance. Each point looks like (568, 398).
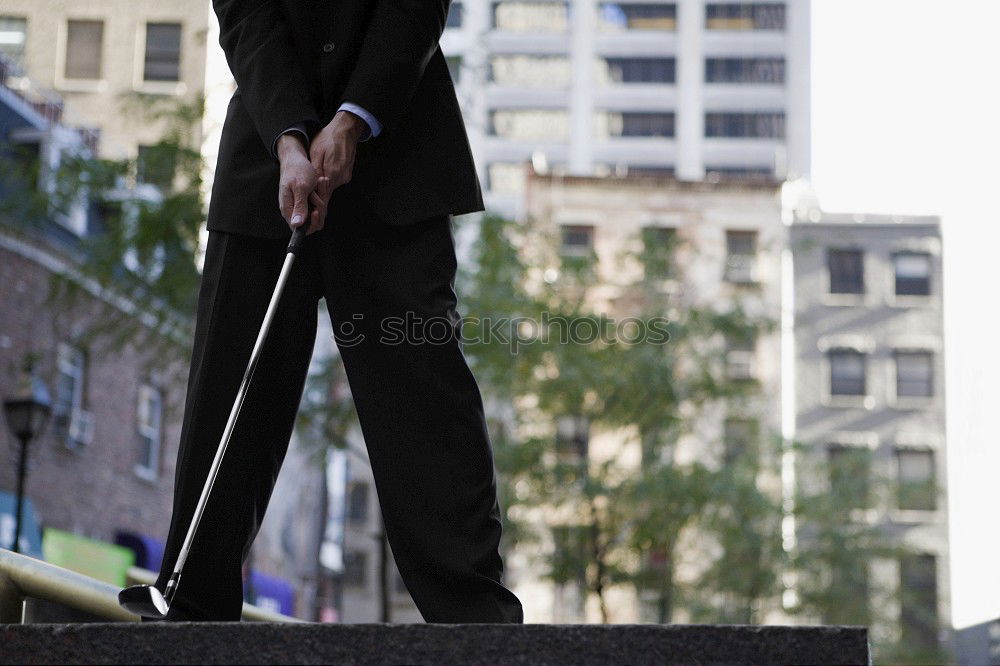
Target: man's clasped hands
(308, 179)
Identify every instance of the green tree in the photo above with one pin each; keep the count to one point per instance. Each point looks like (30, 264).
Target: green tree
(140, 249)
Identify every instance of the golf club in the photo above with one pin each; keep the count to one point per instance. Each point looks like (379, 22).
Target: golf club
(147, 600)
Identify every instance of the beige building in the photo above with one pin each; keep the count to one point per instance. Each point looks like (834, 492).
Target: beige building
(102, 56)
(729, 240)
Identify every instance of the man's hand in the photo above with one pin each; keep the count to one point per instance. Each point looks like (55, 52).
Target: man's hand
(297, 186)
(332, 152)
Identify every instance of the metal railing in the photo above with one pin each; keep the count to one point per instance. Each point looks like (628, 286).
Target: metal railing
(23, 577)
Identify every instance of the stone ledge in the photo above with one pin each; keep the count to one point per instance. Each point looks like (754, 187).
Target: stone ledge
(535, 644)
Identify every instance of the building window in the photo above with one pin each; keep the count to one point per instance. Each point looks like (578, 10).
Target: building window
(641, 70)
(13, 35)
(640, 170)
(156, 165)
(73, 425)
(847, 372)
(914, 374)
(847, 271)
(850, 586)
(741, 256)
(357, 502)
(913, 273)
(739, 438)
(917, 489)
(570, 557)
(529, 124)
(656, 444)
(745, 125)
(518, 16)
(84, 46)
(718, 174)
(641, 124)
(355, 568)
(576, 240)
(850, 469)
(658, 246)
(454, 68)
(149, 424)
(455, 15)
(505, 178)
(163, 52)
(745, 16)
(745, 70)
(572, 437)
(918, 601)
(530, 71)
(635, 16)
(398, 583)
(741, 353)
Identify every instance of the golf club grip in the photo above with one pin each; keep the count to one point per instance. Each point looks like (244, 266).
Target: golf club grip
(298, 238)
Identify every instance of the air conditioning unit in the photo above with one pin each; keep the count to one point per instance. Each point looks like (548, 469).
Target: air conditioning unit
(81, 428)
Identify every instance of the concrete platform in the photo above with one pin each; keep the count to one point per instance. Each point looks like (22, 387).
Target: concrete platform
(536, 644)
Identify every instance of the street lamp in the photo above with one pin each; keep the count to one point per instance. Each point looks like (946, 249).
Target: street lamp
(26, 414)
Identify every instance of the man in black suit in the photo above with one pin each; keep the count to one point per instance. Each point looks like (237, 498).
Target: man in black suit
(347, 112)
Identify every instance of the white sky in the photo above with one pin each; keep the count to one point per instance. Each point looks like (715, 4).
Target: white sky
(906, 119)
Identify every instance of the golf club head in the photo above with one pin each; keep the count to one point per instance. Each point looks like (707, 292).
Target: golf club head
(144, 600)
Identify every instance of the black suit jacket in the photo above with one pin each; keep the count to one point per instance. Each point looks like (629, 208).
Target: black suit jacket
(297, 61)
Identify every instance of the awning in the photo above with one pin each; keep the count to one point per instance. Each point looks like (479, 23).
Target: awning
(270, 592)
(148, 551)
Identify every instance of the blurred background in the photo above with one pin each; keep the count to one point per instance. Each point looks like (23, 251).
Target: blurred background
(803, 190)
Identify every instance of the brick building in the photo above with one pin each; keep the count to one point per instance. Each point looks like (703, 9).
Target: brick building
(104, 464)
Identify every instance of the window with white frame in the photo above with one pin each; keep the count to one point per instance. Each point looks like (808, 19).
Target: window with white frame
(576, 240)
(572, 436)
(918, 618)
(917, 489)
(914, 374)
(847, 270)
(913, 273)
(84, 49)
(163, 52)
(357, 502)
(527, 16)
(13, 35)
(73, 424)
(741, 354)
(850, 471)
(847, 372)
(741, 256)
(613, 16)
(149, 423)
(355, 568)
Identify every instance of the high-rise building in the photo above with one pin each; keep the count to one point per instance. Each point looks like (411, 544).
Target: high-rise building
(869, 406)
(691, 88)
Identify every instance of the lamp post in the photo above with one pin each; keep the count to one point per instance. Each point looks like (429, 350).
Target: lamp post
(27, 411)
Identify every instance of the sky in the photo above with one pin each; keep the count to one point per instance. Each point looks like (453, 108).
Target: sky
(906, 119)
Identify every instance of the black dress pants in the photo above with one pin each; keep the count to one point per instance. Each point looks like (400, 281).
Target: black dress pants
(419, 407)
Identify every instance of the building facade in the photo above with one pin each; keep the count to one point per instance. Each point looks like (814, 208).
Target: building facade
(869, 400)
(726, 242)
(105, 463)
(693, 88)
(103, 58)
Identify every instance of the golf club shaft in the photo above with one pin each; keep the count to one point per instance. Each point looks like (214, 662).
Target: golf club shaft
(294, 246)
